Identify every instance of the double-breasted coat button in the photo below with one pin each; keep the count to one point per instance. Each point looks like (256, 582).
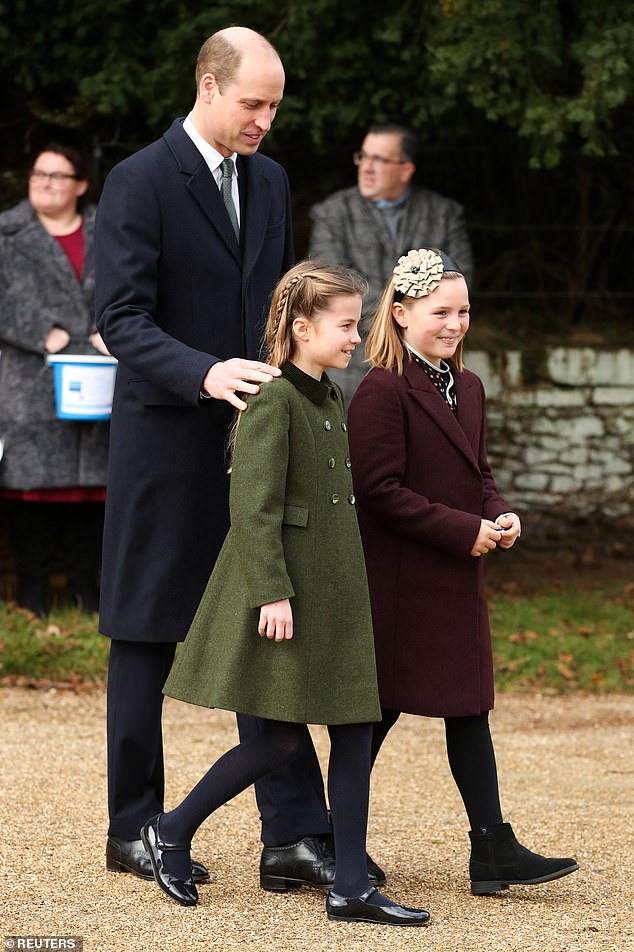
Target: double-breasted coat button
(331, 462)
(344, 427)
(335, 498)
(351, 499)
(327, 425)
(348, 463)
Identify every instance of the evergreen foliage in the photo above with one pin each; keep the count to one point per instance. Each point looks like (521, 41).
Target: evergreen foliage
(523, 108)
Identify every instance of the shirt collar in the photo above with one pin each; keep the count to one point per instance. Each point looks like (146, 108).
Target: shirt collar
(316, 390)
(212, 157)
(393, 202)
(444, 366)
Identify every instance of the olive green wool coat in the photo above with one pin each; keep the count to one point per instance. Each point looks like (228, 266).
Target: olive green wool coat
(293, 534)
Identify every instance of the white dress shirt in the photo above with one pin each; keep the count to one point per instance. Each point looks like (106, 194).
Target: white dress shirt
(214, 160)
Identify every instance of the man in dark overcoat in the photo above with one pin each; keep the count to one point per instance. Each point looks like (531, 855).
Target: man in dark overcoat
(193, 233)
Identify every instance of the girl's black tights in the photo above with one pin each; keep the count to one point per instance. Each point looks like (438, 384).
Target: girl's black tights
(277, 744)
(471, 759)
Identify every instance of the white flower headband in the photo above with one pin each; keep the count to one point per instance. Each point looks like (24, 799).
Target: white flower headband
(418, 273)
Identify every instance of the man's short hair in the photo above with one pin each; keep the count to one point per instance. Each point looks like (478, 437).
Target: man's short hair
(409, 143)
(218, 55)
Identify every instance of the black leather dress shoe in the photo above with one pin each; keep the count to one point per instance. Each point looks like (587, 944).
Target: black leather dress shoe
(340, 909)
(182, 890)
(308, 862)
(131, 856)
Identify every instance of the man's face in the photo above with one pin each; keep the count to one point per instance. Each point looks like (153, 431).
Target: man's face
(382, 172)
(237, 119)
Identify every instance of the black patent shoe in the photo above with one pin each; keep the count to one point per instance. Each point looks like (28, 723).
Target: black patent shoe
(359, 909)
(131, 856)
(182, 890)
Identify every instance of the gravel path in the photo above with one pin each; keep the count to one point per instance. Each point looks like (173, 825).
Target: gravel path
(566, 778)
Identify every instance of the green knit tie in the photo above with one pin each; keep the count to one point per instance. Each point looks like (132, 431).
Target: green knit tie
(225, 188)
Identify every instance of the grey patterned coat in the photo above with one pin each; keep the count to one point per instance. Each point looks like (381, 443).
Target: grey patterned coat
(350, 231)
(38, 288)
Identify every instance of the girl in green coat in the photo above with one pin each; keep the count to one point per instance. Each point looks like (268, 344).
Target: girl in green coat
(284, 631)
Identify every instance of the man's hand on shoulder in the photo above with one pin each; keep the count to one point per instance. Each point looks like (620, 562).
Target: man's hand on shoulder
(227, 378)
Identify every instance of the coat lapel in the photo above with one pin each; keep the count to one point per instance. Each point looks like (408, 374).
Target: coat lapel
(201, 184)
(374, 221)
(469, 414)
(427, 397)
(255, 196)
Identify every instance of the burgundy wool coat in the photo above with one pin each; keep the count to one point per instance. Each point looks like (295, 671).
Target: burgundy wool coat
(423, 483)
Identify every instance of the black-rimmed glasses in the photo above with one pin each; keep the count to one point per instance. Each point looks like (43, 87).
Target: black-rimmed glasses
(359, 157)
(56, 178)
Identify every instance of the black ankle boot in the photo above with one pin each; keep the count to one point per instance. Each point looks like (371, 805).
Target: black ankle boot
(499, 861)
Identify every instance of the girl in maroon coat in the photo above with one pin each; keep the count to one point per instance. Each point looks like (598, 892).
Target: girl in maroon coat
(429, 510)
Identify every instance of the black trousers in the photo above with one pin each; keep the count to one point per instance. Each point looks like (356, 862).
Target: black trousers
(291, 799)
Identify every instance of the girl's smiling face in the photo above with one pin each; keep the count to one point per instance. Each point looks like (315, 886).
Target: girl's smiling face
(434, 325)
(328, 339)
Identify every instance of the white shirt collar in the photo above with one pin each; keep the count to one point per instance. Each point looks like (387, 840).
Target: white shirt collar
(212, 157)
(444, 366)
(445, 369)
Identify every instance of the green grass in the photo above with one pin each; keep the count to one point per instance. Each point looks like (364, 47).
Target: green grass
(561, 641)
(65, 648)
(565, 640)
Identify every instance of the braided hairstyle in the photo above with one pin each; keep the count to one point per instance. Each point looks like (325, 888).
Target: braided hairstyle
(304, 291)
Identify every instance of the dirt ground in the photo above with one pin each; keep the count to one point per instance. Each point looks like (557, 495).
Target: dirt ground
(567, 786)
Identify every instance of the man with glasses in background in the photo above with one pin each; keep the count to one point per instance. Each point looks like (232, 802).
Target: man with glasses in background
(370, 225)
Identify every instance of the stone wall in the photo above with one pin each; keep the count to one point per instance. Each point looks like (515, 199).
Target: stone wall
(562, 446)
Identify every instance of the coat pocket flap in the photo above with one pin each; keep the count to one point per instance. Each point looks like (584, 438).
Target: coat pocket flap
(277, 228)
(295, 516)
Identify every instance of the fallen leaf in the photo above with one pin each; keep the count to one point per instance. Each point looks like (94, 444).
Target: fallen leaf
(521, 637)
(566, 672)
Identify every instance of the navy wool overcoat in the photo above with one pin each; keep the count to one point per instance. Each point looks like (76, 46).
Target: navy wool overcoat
(176, 293)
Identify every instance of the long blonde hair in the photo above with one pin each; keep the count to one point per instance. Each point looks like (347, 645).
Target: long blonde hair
(385, 346)
(307, 288)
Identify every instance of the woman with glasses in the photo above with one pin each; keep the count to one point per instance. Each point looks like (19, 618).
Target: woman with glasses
(53, 472)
